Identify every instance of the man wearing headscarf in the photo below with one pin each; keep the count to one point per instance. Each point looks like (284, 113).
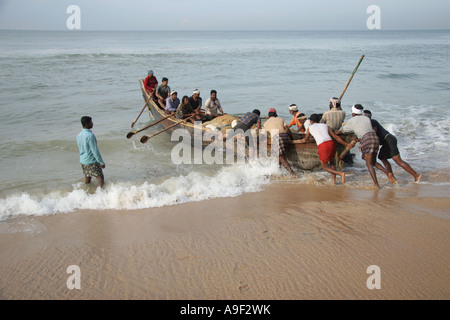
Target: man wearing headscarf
(361, 126)
(298, 119)
(335, 116)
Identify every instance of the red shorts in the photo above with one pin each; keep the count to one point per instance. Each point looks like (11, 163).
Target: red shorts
(327, 151)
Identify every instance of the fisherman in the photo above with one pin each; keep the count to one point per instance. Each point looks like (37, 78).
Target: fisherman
(298, 119)
(195, 100)
(335, 116)
(196, 103)
(361, 126)
(302, 118)
(163, 92)
(389, 149)
(245, 124)
(185, 110)
(172, 103)
(212, 105)
(150, 84)
(325, 144)
(90, 158)
(280, 137)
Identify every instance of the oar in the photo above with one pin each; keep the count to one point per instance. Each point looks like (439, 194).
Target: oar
(132, 133)
(144, 139)
(351, 77)
(141, 112)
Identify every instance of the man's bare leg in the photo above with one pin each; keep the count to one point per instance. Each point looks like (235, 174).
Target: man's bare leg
(101, 180)
(390, 175)
(388, 167)
(369, 163)
(282, 160)
(333, 172)
(405, 166)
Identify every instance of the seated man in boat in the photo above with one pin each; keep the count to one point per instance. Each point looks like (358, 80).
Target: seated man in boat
(196, 103)
(280, 137)
(361, 126)
(212, 106)
(335, 116)
(162, 93)
(172, 103)
(185, 110)
(325, 144)
(389, 149)
(150, 84)
(298, 119)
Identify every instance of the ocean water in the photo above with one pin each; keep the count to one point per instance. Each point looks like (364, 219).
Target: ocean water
(50, 79)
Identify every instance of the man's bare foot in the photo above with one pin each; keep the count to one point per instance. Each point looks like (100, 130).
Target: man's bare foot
(419, 176)
(391, 178)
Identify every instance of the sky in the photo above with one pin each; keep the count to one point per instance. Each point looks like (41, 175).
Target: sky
(148, 15)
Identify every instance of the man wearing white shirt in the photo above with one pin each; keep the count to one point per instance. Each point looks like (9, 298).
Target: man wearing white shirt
(325, 144)
(212, 105)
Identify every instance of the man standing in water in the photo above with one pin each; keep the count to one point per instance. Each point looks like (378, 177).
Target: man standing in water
(280, 137)
(389, 149)
(361, 126)
(90, 158)
(325, 144)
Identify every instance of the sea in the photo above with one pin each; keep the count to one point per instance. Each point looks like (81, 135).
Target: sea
(50, 79)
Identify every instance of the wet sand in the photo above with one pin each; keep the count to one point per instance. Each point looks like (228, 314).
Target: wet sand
(288, 241)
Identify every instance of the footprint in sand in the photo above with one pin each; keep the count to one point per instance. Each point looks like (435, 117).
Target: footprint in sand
(243, 287)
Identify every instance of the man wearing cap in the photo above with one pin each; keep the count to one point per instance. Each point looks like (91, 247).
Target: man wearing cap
(325, 144)
(172, 103)
(150, 83)
(389, 149)
(163, 92)
(280, 137)
(361, 126)
(335, 116)
(298, 119)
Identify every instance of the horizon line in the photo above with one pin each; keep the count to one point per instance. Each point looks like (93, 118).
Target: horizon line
(225, 30)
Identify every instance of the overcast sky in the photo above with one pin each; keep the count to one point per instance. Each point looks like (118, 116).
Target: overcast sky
(224, 14)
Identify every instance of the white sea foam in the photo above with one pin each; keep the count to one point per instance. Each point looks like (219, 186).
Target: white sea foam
(230, 181)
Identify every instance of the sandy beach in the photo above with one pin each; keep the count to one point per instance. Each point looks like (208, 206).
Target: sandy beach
(288, 241)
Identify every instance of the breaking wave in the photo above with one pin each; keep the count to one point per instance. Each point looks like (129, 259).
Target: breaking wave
(230, 181)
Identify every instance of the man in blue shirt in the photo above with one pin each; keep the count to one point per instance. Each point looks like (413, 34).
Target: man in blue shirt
(172, 103)
(90, 158)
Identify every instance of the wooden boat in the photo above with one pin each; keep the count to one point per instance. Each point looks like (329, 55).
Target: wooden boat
(303, 156)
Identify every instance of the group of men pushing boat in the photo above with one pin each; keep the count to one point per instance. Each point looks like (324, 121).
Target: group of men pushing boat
(324, 128)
